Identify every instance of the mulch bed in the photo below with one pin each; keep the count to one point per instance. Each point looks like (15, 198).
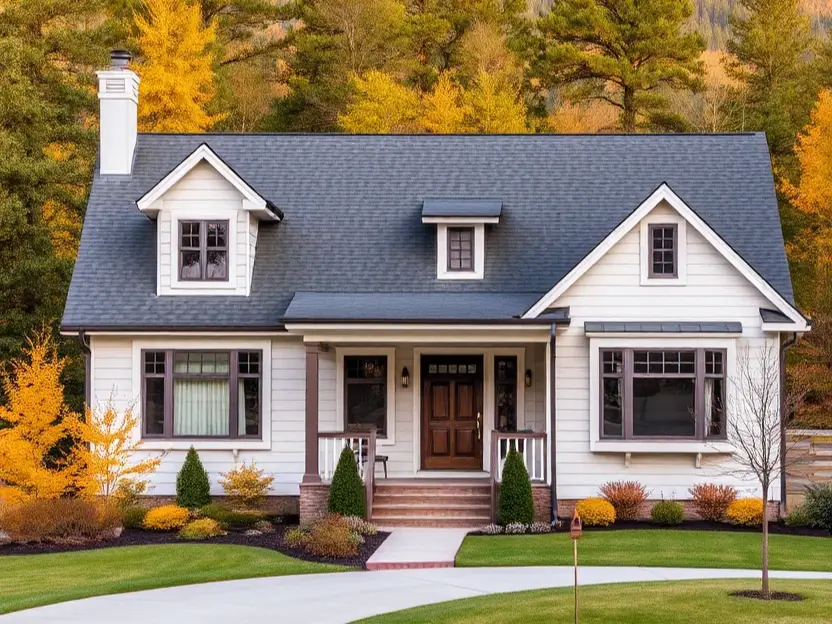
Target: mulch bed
(778, 528)
(756, 593)
(133, 537)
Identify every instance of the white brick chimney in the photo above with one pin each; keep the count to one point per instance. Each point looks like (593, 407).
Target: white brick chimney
(118, 95)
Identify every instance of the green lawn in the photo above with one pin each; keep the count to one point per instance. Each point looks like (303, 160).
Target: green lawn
(668, 548)
(34, 580)
(689, 602)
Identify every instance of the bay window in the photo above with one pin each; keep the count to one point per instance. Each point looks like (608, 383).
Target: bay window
(201, 394)
(662, 394)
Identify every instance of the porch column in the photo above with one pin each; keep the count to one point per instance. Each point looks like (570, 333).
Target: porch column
(311, 474)
(551, 421)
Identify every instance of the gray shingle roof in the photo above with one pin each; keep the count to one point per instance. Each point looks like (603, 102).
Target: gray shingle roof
(352, 215)
(664, 327)
(773, 316)
(462, 208)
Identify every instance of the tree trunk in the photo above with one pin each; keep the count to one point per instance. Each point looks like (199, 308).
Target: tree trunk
(766, 594)
(628, 114)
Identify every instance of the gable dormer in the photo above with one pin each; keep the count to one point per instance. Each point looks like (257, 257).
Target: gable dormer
(460, 235)
(207, 223)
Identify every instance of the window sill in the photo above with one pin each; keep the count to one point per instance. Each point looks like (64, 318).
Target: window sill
(644, 446)
(153, 444)
(663, 281)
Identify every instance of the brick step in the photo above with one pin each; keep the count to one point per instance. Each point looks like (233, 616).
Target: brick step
(431, 491)
(433, 511)
(430, 521)
(437, 500)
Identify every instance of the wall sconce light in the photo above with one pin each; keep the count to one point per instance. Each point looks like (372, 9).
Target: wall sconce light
(528, 378)
(405, 377)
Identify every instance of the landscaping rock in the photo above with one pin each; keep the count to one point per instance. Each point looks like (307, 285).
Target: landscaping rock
(253, 532)
(4, 538)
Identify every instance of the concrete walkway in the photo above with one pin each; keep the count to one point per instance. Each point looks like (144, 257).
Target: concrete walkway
(341, 598)
(408, 548)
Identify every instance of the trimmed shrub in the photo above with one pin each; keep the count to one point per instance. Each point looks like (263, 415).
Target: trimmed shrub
(166, 518)
(246, 485)
(201, 529)
(346, 494)
(798, 517)
(711, 501)
(192, 486)
(329, 536)
(746, 512)
(596, 512)
(295, 538)
(668, 513)
(133, 517)
(818, 504)
(59, 520)
(516, 503)
(360, 525)
(626, 496)
(230, 518)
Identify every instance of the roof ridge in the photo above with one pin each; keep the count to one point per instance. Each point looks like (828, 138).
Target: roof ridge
(459, 134)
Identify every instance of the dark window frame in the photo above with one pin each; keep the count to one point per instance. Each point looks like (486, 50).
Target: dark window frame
(651, 228)
(385, 380)
(233, 376)
(509, 384)
(203, 249)
(462, 268)
(627, 374)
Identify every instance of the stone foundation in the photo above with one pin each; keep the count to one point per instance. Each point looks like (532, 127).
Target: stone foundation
(314, 498)
(567, 507)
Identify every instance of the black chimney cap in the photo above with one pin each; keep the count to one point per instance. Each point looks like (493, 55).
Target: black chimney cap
(120, 58)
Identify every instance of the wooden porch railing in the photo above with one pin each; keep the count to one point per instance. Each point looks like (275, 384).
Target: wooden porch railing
(532, 446)
(363, 445)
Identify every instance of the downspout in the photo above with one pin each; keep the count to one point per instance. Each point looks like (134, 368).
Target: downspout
(783, 348)
(85, 348)
(553, 421)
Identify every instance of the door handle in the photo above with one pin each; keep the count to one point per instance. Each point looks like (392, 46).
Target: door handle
(479, 426)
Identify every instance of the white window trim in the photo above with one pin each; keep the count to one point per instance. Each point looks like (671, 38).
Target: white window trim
(231, 287)
(197, 344)
(442, 271)
(597, 445)
(392, 377)
(681, 250)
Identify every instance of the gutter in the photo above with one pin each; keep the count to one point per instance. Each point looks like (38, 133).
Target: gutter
(785, 346)
(85, 349)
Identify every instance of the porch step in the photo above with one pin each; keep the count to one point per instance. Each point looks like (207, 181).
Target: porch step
(432, 503)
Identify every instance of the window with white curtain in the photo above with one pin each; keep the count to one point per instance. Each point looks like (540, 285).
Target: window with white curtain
(201, 394)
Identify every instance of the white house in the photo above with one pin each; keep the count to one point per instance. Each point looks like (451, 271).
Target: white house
(273, 297)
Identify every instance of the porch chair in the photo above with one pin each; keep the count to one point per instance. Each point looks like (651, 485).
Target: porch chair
(364, 451)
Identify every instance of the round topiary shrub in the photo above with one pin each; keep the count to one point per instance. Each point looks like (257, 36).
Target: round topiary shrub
(166, 518)
(746, 512)
(192, 486)
(818, 504)
(596, 512)
(346, 494)
(516, 503)
(201, 529)
(668, 513)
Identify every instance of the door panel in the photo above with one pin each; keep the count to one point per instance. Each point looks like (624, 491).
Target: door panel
(452, 412)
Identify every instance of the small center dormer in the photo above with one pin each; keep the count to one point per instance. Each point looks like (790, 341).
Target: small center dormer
(207, 219)
(460, 235)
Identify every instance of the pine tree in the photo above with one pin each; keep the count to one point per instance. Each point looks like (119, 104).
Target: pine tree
(346, 493)
(192, 486)
(625, 52)
(176, 68)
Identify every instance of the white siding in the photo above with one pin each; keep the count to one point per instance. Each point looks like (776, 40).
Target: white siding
(204, 194)
(611, 290)
(113, 374)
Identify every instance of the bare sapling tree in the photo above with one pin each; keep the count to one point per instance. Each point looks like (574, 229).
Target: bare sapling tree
(756, 417)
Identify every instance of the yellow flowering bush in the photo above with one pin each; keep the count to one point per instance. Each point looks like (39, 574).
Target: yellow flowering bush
(201, 529)
(246, 485)
(596, 512)
(166, 518)
(746, 512)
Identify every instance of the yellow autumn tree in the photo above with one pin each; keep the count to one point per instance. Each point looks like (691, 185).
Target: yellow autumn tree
(176, 68)
(36, 451)
(381, 106)
(444, 111)
(495, 106)
(106, 451)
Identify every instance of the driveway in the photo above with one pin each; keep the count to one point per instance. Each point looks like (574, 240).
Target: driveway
(342, 598)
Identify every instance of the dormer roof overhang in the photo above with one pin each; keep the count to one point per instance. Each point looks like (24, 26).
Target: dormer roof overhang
(253, 202)
(461, 210)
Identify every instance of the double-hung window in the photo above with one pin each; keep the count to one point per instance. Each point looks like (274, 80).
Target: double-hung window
(659, 393)
(663, 250)
(203, 251)
(460, 249)
(201, 394)
(365, 393)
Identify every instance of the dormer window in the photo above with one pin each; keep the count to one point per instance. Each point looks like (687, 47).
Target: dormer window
(663, 250)
(203, 250)
(461, 249)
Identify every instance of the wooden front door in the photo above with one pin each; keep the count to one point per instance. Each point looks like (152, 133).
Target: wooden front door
(452, 412)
